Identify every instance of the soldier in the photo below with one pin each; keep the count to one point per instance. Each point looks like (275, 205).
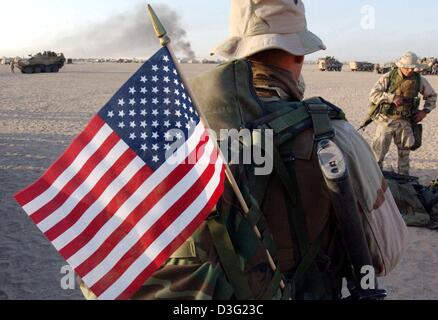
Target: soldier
(397, 96)
(292, 207)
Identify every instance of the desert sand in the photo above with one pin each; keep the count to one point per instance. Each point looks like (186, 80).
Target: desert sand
(40, 114)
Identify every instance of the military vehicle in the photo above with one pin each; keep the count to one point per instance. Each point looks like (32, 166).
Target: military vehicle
(41, 62)
(329, 64)
(429, 66)
(385, 68)
(361, 66)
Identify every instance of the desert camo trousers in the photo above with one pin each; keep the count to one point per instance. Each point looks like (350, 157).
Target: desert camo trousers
(401, 132)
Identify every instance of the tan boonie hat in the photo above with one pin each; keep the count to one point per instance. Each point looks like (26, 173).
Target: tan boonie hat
(257, 25)
(409, 61)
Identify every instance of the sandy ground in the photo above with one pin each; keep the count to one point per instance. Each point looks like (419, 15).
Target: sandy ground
(40, 114)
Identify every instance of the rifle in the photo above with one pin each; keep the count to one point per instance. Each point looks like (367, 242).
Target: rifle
(390, 175)
(375, 109)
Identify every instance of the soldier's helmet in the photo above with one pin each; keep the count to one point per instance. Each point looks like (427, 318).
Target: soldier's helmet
(409, 60)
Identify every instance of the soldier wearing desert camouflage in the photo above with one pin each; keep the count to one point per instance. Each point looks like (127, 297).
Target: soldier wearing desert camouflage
(397, 95)
(260, 86)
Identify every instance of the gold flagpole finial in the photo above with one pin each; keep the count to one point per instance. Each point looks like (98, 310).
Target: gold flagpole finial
(158, 27)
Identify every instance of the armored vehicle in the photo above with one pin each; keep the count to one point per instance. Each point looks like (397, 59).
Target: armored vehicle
(361, 66)
(429, 66)
(41, 62)
(329, 64)
(385, 68)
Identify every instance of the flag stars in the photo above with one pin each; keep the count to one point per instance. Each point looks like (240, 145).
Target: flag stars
(167, 112)
(167, 124)
(155, 101)
(143, 79)
(166, 101)
(177, 102)
(175, 72)
(155, 90)
(178, 125)
(132, 136)
(166, 69)
(166, 79)
(184, 96)
(154, 68)
(177, 92)
(176, 82)
(121, 125)
(132, 113)
(188, 126)
(179, 136)
(121, 102)
(167, 147)
(155, 112)
(167, 136)
(155, 159)
(166, 90)
(155, 136)
(111, 114)
(132, 102)
(178, 113)
(132, 124)
(144, 136)
(155, 147)
(166, 58)
(132, 90)
(143, 113)
(143, 101)
(143, 147)
(143, 124)
(155, 124)
(155, 79)
(121, 114)
(143, 90)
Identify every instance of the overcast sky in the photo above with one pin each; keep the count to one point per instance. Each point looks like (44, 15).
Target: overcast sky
(354, 29)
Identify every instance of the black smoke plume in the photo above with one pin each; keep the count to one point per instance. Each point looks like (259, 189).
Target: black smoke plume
(129, 34)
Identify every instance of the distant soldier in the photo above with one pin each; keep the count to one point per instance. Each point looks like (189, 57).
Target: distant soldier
(12, 65)
(396, 95)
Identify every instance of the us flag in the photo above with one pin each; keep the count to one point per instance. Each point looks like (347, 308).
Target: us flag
(133, 186)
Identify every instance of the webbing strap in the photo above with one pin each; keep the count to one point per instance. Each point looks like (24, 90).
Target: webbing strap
(290, 185)
(322, 125)
(229, 260)
(308, 259)
(274, 286)
(288, 120)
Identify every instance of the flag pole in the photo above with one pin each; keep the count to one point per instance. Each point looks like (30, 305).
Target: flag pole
(164, 38)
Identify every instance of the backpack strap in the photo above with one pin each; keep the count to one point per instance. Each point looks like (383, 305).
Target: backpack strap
(229, 259)
(322, 125)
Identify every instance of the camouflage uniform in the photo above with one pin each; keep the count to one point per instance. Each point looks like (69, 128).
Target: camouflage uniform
(398, 128)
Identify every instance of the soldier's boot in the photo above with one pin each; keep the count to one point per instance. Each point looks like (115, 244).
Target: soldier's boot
(404, 162)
